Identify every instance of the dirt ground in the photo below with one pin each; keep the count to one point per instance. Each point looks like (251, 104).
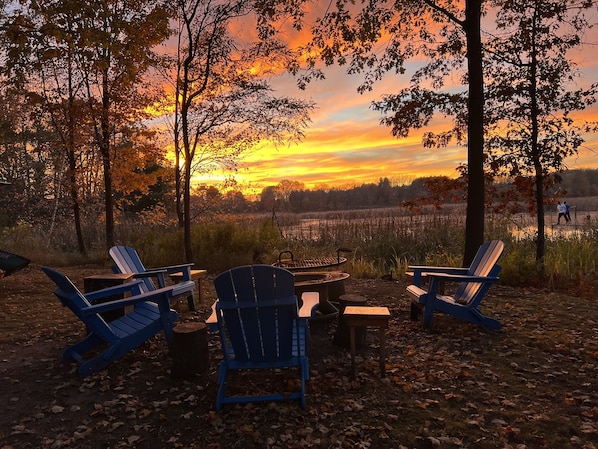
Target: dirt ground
(532, 384)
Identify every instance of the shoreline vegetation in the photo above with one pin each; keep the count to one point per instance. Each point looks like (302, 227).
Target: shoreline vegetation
(383, 241)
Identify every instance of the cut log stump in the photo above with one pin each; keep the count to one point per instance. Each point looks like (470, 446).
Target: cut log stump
(342, 335)
(190, 350)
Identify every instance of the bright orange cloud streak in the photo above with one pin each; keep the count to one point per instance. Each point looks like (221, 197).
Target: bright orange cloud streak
(346, 145)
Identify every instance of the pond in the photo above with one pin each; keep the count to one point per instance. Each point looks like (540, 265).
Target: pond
(360, 226)
(524, 226)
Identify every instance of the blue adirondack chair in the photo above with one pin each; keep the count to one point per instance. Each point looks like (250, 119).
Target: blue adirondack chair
(108, 341)
(126, 260)
(474, 283)
(260, 328)
(10, 263)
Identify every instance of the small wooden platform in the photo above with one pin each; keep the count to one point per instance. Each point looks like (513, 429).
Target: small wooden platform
(196, 276)
(356, 316)
(99, 281)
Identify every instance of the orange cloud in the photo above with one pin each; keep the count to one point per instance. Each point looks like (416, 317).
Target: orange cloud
(346, 145)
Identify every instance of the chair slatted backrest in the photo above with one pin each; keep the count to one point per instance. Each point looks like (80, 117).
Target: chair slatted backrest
(71, 297)
(128, 261)
(9, 262)
(482, 265)
(257, 308)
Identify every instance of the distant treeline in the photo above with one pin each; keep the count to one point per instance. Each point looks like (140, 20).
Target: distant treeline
(574, 183)
(21, 203)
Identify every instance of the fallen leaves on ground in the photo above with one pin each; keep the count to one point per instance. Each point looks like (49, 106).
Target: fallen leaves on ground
(532, 384)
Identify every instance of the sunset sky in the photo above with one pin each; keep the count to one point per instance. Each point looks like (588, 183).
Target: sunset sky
(345, 145)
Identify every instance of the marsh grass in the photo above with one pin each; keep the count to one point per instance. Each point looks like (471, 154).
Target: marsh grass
(383, 242)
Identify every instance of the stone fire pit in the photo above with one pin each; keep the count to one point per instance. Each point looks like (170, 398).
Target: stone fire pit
(329, 284)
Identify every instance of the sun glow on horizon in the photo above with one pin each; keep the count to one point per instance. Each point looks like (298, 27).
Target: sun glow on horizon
(345, 144)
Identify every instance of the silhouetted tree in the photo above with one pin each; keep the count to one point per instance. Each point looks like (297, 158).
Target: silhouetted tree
(223, 107)
(530, 95)
(90, 59)
(446, 36)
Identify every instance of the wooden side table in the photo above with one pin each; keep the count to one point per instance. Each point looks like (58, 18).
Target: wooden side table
(100, 281)
(196, 276)
(368, 316)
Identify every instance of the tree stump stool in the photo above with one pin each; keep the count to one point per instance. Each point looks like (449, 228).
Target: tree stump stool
(190, 350)
(342, 335)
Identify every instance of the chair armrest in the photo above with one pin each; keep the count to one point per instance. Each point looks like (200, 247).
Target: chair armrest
(150, 273)
(212, 321)
(176, 268)
(182, 288)
(446, 277)
(422, 268)
(310, 301)
(418, 272)
(435, 280)
(160, 296)
(128, 287)
(159, 274)
(184, 269)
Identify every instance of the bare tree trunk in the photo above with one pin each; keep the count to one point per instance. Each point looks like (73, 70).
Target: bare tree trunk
(76, 208)
(187, 212)
(73, 161)
(105, 151)
(539, 175)
(188, 159)
(178, 185)
(177, 142)
(474, 224)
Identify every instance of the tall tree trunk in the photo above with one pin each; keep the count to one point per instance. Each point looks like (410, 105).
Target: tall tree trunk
(541, 237)
(108, 198)
(535, 150)
(178, 183)
(72, 159)
(76, 205)
(187, 148)
(180, 92)
(187, 211)
(186, 181)
(474, 224)
(105, 151)
(188, 160)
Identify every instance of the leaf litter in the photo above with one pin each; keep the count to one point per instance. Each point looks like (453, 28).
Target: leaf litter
(532, 384)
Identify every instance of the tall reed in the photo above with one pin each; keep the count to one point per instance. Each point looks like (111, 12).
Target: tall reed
(384, 243)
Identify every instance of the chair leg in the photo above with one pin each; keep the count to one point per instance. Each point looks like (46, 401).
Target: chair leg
(222, 372)
(101, 361)
(76, 352)
(479, 318)
(93, 365)
(415, 311)
(427, 315)
(191, 302)
(304, 376)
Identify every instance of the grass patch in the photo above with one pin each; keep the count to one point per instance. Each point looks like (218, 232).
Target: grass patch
(382, 244)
